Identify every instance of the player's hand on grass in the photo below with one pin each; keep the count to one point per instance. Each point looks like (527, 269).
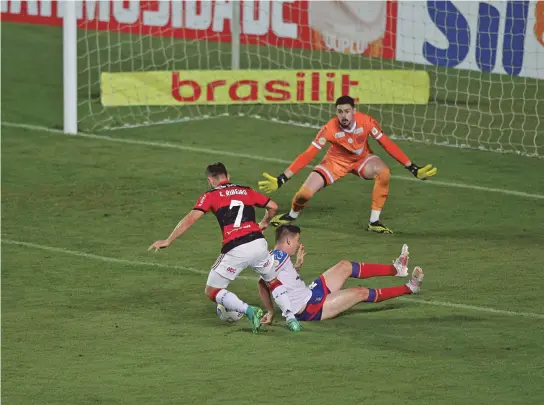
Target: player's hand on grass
(160, 244)
(300, 257)
(267, 318)
(271, 183)
(422, 173)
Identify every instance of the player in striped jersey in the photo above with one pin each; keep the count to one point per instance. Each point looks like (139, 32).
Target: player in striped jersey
(324, 298)
(243, 243)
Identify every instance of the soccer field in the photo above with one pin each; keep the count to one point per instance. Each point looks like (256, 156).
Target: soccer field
(89, 316)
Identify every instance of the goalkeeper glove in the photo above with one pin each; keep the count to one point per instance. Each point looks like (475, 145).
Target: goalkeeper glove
(271, 183)
(422, 173)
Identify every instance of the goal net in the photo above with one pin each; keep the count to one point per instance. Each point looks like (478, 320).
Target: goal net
(149, 62)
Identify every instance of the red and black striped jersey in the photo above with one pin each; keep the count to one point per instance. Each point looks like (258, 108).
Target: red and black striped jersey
(233, 205)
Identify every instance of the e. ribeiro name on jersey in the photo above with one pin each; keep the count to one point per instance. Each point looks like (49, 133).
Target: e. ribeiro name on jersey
(298, 292)
(234, 207)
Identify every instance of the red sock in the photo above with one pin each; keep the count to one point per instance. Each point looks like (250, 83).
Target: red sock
(367, 270)
(383, 294)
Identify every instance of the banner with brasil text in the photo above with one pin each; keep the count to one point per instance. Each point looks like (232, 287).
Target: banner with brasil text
(358, 27)
(214, 87)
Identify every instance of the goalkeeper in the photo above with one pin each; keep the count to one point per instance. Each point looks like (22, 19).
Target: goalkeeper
(349, 152)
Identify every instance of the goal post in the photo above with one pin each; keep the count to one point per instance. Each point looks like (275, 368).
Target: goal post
(69, 67)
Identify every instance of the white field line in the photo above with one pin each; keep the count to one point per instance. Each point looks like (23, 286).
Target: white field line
(199, 271)
(260, 158)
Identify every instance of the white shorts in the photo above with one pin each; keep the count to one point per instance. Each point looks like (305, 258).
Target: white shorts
(229, 265)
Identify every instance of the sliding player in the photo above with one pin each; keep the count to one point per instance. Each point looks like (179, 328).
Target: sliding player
(349, 152)
(243, 243)
(324, 297)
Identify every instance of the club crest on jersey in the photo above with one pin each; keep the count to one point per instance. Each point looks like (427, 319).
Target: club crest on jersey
(322, 141)
(350, 140)
(339, 135)
(358, 131)
(374, 131)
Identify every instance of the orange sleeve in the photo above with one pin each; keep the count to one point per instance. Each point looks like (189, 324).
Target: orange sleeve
(393, 149)
(390, 147)
(304, 159)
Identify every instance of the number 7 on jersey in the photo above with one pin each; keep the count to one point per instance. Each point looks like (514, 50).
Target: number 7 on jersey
(240, 204)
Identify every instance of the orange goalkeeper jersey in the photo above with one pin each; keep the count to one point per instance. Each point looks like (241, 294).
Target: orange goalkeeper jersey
(349, 145)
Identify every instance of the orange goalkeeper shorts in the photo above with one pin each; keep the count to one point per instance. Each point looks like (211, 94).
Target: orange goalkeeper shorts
(334, 169)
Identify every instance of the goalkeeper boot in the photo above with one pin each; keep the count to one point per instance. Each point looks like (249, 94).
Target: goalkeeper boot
(378, 227)
(293, 325)
(401, 263)
(254, 314)
(282, 219)
(415, 283)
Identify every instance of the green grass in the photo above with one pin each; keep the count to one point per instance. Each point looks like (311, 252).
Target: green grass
(82, 329)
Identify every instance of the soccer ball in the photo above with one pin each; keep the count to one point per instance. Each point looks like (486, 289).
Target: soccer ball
(228, 316)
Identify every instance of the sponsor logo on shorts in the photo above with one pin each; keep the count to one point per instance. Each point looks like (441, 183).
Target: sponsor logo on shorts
(231, 270)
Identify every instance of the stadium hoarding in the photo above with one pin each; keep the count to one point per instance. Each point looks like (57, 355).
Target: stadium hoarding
(349, 27)
(504, 37)
(213, 87)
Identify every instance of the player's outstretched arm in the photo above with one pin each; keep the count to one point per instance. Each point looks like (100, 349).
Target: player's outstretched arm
(271, 208)
(271, 183)
(266, 299)
(396, 152)
(179, 230)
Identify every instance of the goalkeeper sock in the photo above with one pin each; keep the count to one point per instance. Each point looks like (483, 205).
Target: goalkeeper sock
(293, 213)
(230, 301)
(367, 270)
(380, 190)
(375, 215)
(383, 294)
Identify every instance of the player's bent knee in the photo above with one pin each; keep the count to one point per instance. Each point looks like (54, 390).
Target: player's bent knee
(211, 292)
(384, 175)
(344, 264)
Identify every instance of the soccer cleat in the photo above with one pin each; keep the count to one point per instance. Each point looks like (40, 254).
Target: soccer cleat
(417, 278)
(294, 325)
(282, 219)
(378, 227)
(254, 314)
(401, 263)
